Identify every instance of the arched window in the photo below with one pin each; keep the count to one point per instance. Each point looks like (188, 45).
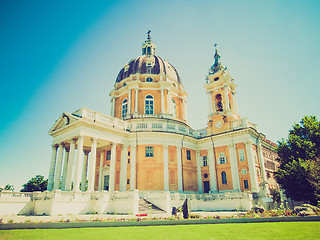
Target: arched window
(148, 105)
(224, 177)
(173, 108)
(124, 108)
(219, 106)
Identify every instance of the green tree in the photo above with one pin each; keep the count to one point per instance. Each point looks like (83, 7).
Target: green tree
(298, 173)
(37, 183)
(8, 187)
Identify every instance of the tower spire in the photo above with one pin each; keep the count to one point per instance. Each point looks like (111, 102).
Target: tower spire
(217, 64)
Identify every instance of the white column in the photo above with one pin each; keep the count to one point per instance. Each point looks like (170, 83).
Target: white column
(165, 168)
(100, 171)
(212, 172)
(162, 101)
(64, 171)
(226, 98)
(234, 167)
(136, 101)
(168, 102)
(209, 103)
(92, 164)
(57, 174)
(235, 102)
(112, 167)
(112, 106)
(199, 171)
(251, 165)
(185, 110)
(263, 169)
(77, 170)
(52, 167)
(84, 171)
(129, 103)
(179, 165)
(70, 165)
(123, 168)
(133, 168)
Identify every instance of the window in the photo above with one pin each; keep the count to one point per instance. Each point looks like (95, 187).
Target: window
(241, 155)
(128, 160)
(244, 171)
(205, 175)
(149, 80)
(109, 155)
(219, 106)
(149, 151)
(224, 177)
(188, 155)
(129, 153)
(148, 105)
(128, 181)
(246, 184)
(124, 108)
(205, 161)
(222, 158)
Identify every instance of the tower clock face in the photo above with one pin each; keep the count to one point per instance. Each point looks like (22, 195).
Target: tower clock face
(218, 124)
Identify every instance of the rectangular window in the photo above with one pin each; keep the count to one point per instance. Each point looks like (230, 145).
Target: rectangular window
(188, 155)
(109, 155)
(149, 151)
(246, 184)
(128, 160)
(241, 155)
(205, 161)
(128, 181)
(129, 153)
(222, 158)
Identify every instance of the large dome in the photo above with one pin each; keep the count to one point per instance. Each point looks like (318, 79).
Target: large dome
(149, 64)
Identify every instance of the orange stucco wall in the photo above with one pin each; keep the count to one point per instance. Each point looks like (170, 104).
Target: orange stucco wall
(172, 162)
(243, 165)
(189, 170)
(223, 167)
(150, 169)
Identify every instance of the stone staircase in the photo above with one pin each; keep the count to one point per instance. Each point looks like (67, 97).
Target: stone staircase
(146, 207)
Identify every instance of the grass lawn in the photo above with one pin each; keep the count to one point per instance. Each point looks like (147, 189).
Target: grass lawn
(278, 230)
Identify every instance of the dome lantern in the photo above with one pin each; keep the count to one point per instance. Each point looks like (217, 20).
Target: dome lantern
(148, 47)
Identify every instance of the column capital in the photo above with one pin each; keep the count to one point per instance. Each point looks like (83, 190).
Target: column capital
(86, 152)
(54, 146)
(231, 145)
(248, 142)
(124, 146)
(165, 146)
(80, 138)
(94, 140)
(73, 140)
(198, 152)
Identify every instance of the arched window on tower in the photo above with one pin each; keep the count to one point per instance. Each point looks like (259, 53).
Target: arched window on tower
(124, 108)
(219, 106)
(148, 105)
(224, 177)
(173, 108)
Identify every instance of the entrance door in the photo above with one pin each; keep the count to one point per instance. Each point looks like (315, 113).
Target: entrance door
(106, 182)
(206, 186)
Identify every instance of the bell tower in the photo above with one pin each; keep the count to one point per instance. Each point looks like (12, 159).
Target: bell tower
(221, 91)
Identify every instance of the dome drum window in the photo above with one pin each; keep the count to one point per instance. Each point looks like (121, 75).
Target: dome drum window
(124, 108)
(148, 106)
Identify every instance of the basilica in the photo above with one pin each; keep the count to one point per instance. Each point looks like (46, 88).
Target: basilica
(146, 149)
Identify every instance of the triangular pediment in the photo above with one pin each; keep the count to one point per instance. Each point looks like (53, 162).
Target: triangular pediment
(63, 121)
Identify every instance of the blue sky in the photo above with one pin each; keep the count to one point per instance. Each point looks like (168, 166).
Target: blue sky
(58, 56)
